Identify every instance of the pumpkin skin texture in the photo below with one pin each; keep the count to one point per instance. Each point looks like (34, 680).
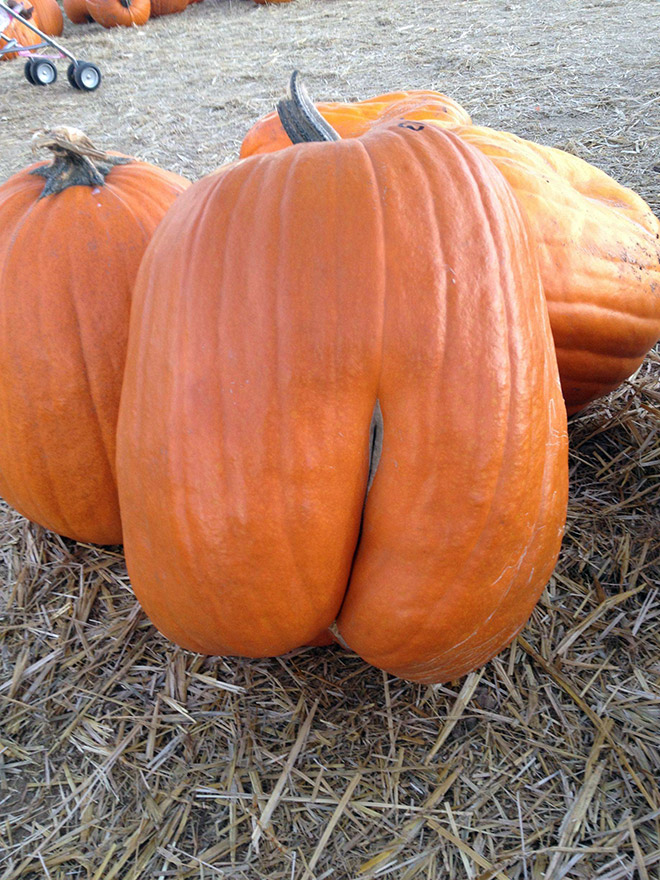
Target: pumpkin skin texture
(598, 245)
(284, 300)
(119, 13)
(76, 11)
(48, 17)
(167, 7)
(352, 120)
(598, 248)
(63, 333)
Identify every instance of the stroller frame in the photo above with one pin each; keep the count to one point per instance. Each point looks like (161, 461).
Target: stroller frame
(39, 67)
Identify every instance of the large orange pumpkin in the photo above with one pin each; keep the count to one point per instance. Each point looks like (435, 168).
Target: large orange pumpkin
(341, 405)
(598, 244)
(119, 13)
(85, 220)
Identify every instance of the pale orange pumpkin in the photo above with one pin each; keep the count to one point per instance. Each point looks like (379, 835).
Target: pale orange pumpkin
(598, 245)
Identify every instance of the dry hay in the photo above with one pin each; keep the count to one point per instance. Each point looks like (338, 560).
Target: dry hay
(122, 756)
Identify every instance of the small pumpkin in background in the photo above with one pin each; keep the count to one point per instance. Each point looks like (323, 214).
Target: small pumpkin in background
(119, 13)
(598, 243)
(84, 219)
(76, 11)
(167, 7)
(341, 406)
(48, 17)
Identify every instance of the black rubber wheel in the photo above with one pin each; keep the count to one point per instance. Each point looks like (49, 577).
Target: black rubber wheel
(70, 75)
(87, 76)
(27, 70)
(43, 72)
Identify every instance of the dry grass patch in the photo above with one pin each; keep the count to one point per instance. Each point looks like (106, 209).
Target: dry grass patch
(123, 756)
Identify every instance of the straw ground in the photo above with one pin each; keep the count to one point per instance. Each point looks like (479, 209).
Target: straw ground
(124, 757)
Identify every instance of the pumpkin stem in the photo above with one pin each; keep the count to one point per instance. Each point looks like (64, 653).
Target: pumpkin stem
(76, 161)
(300, 118)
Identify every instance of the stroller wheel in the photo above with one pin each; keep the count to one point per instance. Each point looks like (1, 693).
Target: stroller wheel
(87, 76)
(27, 70)
(70, 75)
(43, 72)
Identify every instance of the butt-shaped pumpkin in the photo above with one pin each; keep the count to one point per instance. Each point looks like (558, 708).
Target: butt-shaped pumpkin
(341, 408)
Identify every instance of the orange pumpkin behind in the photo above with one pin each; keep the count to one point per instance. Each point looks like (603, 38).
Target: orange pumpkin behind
(48, 17)
(76, 11)
(355, 119)
(167, 7)
(119, 13)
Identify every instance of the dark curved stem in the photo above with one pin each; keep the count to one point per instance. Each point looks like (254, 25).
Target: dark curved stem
(76, 161)
(72, 170)
(300, 118)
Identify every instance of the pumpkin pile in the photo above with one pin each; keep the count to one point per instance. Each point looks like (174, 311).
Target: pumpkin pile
(47, 15)
(341, 415)
(120, 13)
(125, 13)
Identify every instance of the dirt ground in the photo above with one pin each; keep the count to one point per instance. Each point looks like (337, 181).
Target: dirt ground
(124, 757)
(183, 90)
